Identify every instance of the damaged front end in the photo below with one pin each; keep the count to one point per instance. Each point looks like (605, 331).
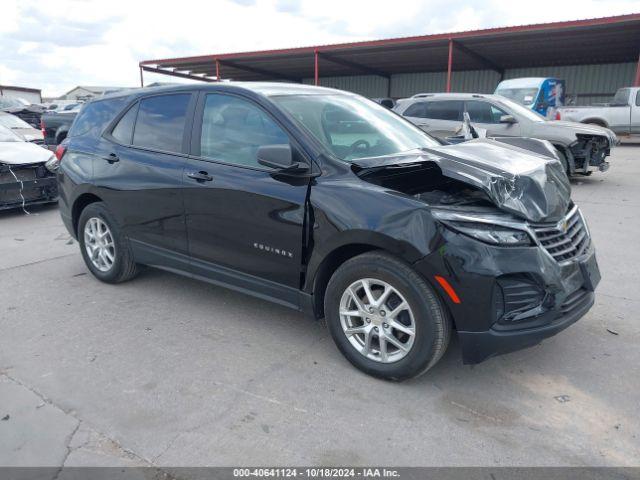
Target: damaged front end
(510, 242)
(526, 184)
(23, 185)
(589, 152)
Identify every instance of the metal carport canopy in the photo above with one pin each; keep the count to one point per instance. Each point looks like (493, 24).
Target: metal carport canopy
(592, 41)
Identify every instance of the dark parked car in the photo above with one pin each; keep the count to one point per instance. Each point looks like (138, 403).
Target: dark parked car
(55, 125)
(328, 203)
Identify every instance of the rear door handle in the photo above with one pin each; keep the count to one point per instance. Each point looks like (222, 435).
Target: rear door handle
(112, 158)
(200, 176)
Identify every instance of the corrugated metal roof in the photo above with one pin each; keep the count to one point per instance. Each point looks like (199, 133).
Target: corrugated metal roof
(599, 40)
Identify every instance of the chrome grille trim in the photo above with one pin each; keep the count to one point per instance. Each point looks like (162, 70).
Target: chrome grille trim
(566, 239)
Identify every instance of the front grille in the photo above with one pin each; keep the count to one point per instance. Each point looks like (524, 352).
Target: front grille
(565, 240)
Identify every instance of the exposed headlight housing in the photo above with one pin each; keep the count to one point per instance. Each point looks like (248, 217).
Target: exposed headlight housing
(494, 229)
(52, 164)
(492, 234)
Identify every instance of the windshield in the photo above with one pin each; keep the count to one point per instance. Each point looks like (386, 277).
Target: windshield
(352, 127)
(7, 135)
(523, 96)
(11, 121)
(523, 111)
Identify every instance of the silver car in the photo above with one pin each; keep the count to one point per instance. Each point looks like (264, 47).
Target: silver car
(582, 148)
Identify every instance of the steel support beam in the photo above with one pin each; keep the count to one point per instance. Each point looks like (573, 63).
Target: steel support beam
(141, 78)
(258, 71)
(174, 74)
(218, 72)
(316, 76)
(479, 58)
(449, 65)
(354, 65)
(637, 81)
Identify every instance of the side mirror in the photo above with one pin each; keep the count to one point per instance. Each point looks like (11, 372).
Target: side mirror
(280, 158)
(508, 119)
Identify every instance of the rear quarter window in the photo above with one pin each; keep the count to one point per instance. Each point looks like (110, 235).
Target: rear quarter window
(95, 116)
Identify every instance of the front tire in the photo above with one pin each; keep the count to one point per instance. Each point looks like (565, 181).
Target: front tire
(384, 318)
(105, 250)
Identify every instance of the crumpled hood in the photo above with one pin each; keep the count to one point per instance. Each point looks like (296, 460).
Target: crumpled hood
(583, 129)
(529, 185)
(29, 134)
(22, 153)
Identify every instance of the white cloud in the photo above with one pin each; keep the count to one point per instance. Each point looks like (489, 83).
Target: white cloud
(57, 45)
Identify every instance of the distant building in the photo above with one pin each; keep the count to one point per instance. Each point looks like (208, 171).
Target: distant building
(31, 95)
(83, 92)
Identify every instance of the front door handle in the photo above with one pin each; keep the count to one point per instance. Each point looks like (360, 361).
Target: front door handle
(200, 176)
(112, 158)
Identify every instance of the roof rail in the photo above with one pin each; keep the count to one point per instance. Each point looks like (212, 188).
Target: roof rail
(421, 95)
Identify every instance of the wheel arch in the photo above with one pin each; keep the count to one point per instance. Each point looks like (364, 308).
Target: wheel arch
(320, 271)
(61, 134)
(596, 121)
(568, 156)
(79, 205)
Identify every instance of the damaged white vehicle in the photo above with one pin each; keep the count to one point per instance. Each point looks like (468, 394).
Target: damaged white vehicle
(27, 172)
(582, 148)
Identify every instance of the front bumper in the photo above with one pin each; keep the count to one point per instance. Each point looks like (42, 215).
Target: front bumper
(491, 281)
(31, 185)
(478, 346)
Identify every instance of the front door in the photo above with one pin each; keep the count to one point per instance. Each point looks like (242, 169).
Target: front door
(487, 116)
(244, 223)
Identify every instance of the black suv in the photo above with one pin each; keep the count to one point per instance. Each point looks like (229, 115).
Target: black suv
(328, 203)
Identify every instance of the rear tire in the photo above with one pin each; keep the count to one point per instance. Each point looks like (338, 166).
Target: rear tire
(563, 160)
(374, 337)
(105, 250)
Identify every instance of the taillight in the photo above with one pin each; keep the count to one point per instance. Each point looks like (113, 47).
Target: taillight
(43, 128)
(60, 150)
(558, 116)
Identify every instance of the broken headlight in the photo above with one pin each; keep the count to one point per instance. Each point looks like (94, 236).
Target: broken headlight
(52, 164)
(493, 234)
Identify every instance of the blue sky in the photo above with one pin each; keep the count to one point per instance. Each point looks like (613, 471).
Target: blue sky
(55, 45)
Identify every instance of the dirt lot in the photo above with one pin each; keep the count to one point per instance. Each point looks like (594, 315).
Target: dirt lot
(168, 371)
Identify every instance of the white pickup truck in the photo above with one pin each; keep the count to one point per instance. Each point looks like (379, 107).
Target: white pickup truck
(622, 115)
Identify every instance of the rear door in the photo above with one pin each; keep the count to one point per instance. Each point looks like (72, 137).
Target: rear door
(486, 115)
(244, 222)
(444, 117)
(140, 175)
(417, 114)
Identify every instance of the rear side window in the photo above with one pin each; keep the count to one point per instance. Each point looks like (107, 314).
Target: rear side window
(444, 110)
(95, 116)
(160, 122)
(123, 131)
(638, 99)
(417, 110)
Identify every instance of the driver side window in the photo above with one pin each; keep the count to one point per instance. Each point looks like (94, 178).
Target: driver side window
(234, 128)
(484, 112)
